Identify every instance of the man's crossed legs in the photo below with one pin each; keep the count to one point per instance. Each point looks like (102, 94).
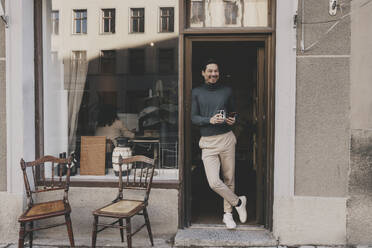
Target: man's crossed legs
(216, 151)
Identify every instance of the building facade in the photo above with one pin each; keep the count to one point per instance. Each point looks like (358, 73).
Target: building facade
(300, 74)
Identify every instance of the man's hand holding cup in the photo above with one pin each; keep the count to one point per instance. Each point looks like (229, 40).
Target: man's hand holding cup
(217, 119)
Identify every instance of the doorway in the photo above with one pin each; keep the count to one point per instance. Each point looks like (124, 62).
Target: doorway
(242, 67)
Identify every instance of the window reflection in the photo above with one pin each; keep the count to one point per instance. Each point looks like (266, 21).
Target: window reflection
(166, 19)
(138, 20)
(79, 56)
(55, 22)
(197, 13)
(228, 13)
(108, 20)
(231, 12)
(108, 61)
(166, 58)
(80, 21)
(137, 61)
(133, 76)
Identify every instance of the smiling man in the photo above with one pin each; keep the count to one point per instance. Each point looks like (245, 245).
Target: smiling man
(212, 110)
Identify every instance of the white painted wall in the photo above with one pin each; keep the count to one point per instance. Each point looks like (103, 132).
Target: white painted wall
(20, 90)
(296, 219)
(55, 96)
(285, 99)
(20, 112)
(361, 73)
(310, 220)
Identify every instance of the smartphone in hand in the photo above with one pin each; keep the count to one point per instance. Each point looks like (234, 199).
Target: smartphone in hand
(232, 114)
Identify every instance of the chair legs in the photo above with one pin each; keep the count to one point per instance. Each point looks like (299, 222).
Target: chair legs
(21, 239)
(23, 233)
(31, 233)
(69, 230)
(129, 232)
(147, 220)
(121, 230)
(94, 234)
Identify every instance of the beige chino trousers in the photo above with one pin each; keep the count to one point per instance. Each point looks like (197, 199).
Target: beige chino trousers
(219, 150)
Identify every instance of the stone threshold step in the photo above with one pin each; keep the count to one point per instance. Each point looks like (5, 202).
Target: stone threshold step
(217, 236)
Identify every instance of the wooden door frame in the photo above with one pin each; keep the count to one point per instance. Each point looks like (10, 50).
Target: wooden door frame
(185, 121)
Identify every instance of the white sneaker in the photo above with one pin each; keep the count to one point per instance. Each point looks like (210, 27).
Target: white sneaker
(229, 221)
(242, 211)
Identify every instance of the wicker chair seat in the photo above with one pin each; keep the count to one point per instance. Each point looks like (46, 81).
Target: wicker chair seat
(123, 208)
(45, 210)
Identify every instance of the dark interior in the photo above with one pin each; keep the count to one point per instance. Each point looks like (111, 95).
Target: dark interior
(238, 69)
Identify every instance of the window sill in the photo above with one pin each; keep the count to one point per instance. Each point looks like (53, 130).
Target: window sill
(218, 30)
(165, 179)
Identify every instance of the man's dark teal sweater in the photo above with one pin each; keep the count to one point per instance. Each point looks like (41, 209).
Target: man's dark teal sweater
(206, 100)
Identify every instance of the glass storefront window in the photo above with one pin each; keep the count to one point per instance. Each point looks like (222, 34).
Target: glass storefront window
(227, 13)
(123, 85)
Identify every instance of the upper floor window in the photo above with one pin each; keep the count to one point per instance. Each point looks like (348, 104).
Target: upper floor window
(227, 13)
(108, 61)
(166, 60)
(231, 12)
(137, 61)
(80, 21)
(55, 22)
(77, 59)
(166, 19)
(137, 20)
(197, 13)
(79, 55)
(108, 21)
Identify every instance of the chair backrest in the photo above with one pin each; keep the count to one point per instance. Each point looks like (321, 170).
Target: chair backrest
(46, 174)
(140, 177)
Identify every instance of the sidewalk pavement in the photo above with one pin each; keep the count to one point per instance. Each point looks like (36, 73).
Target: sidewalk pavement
(159, 242)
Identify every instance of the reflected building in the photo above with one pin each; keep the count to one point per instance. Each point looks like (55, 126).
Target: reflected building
(230, 13)
(119, 53)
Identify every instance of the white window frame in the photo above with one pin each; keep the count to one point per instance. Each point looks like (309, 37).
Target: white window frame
(102, 57)
(202, 23)
(73, 52)
(160, 18)
(102, 23)
(54, 20)
(74, 11)
(130, 20)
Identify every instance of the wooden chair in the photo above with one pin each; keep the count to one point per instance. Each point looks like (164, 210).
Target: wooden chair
(40, 184)
(140, 179)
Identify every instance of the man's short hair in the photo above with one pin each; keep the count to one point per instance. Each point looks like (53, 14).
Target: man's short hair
(208, 62)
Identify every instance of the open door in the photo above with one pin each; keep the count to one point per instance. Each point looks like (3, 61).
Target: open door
(242, 67)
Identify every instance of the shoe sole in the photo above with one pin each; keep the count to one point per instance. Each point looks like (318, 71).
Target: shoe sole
(245, 207)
